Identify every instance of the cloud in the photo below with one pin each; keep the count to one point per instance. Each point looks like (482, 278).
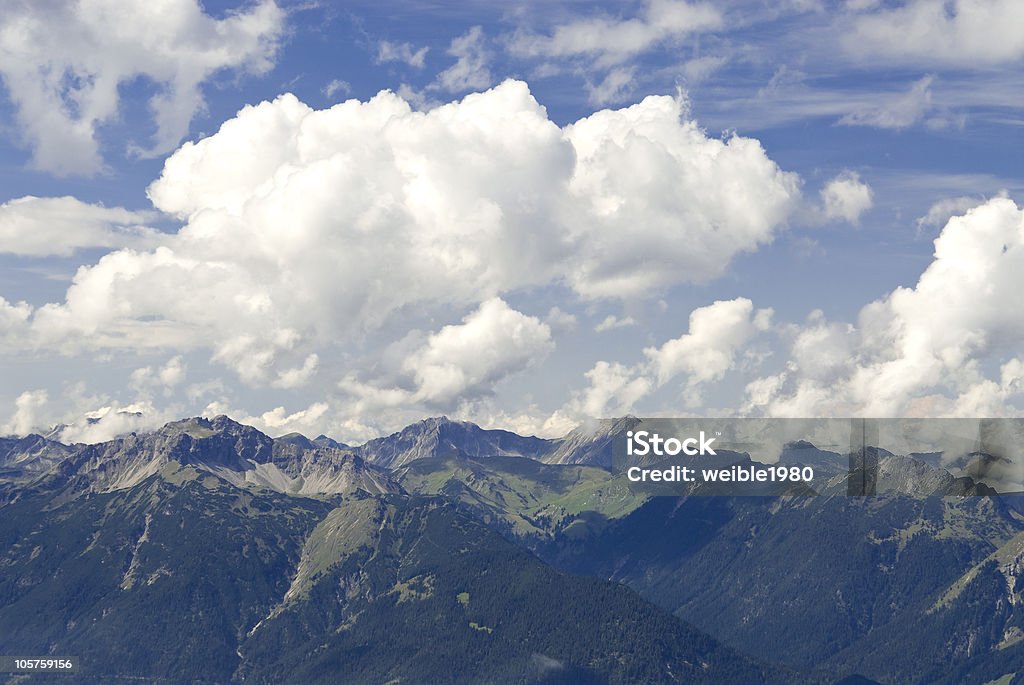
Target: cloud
(612, 40)
(529, 421)
(708, 350)
(929, 350)
(43, 226)
(488, 345)
(640, 168)
(462, 361)
(942, 211)
(846, 197)
(611, 322)
(613, 390)
(401, 52)
(298, 376)
(303, 230)
(560, 321)
(615, 87)
(113, 420)
(337, 86)
(718, 333)
(700, 69)
(63, 64)
(277, 421)
(166, 377)
(26, 415)
(895, 111)
(959, 33)
(14, 323)
(470, 71)
(948, 346)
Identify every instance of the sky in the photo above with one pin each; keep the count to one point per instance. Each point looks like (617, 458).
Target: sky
(341, 218)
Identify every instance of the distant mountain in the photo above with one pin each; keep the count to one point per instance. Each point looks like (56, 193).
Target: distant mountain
(26, 457)
(237, 453)
(438, 437)
(184, 577)
(591, 443)
(445, 600)
(324, 441)
(481, 555)
(152, 582)
(522, 497)
(973, 631)
(856, 578)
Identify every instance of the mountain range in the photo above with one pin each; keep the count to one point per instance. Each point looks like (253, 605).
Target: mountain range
(450, 553)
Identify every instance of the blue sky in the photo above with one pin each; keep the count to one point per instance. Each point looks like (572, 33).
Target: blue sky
(517, 234)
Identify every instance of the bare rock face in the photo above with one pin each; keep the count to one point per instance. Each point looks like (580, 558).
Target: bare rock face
(591, 443)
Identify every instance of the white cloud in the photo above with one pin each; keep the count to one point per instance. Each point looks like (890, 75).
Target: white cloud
(406, 53)
(708, 350)
(611, 40)
(529, 421)
(948, 346)
(895, 111)
(923, 350)
(560, 321)
(942, 211)
(113, 420)
(611, 322)
(700, 69)
(26, 413)
(14, 323)
(717, 335)
(337, 86)
(462, 361)
(613, 390)
(960, 33)
(298, 376)
(305, 229)
(277, 421)
(166, 377)
(616, 86)
(846, 197)
(41, 226)
(63, 63)
(665, 197)
(490, 343)
(173, 372)
(470, 71)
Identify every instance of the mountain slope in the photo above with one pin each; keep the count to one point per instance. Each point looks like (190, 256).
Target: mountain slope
(26, 458)
(442, 436)
(237, 453)
(227, 584)
(523, 497)
(456, 603)
(821, 575)
(591, 443)
(183, 560)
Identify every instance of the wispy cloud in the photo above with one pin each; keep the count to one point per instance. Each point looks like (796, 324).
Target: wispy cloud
(63, 66)
(611, 40)
(406, 53)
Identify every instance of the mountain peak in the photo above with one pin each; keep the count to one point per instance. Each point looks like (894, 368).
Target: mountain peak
(204, 427)
(591, 441)
(441, 436)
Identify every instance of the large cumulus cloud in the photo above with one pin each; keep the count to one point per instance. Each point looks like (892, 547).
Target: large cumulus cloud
(950, 345)
(304, 228)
